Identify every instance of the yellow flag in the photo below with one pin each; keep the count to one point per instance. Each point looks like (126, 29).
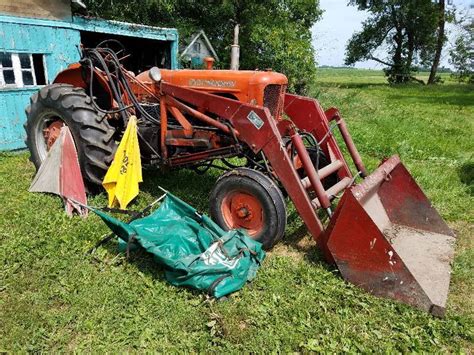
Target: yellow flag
(123, 176)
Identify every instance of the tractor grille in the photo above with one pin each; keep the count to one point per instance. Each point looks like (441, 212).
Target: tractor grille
(273, 99)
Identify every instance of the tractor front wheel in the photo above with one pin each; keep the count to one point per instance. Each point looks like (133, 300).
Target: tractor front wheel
(248, 199)
(62, 104)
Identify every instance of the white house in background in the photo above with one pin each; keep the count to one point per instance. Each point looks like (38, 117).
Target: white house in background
(199, 48)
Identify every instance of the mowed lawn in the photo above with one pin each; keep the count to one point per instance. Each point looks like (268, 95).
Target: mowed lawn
(54, 296)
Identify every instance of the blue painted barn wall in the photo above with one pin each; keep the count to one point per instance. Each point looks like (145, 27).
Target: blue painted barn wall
(58, 45)
(58, 41)
(12, 117)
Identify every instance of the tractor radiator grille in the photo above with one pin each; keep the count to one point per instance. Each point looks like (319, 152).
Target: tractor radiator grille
(273, 99)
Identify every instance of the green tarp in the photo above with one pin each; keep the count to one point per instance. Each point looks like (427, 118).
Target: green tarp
(194, 250)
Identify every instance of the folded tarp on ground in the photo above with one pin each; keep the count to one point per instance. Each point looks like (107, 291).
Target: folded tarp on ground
(194, 250)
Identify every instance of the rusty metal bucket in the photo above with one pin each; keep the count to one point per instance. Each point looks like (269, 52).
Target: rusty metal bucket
(387, 238)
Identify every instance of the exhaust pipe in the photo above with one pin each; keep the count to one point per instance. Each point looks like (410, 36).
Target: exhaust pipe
(235, 51)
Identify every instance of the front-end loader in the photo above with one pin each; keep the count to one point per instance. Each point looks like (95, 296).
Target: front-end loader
(382, 232)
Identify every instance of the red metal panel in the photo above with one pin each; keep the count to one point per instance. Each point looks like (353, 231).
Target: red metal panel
(231, 110)
(387, 238)
(71, 182)
(281, 163)
(406, 204)
(187, 127)
(164, 127)
(308, 116)
(365, 258)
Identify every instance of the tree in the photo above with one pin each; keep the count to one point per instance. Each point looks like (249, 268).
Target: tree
(273, 33)
(404, 29)
(439, 42)
(462, 54)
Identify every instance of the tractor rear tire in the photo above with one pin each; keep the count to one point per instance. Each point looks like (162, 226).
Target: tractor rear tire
(248, 199)
(93, 136)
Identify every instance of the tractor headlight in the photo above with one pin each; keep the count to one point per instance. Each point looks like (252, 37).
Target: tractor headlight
(155, 74)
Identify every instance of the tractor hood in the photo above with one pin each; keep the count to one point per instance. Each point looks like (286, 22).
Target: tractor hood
(244, 85)
(222, 79)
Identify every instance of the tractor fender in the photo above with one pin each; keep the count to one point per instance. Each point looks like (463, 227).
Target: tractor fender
(75, 75)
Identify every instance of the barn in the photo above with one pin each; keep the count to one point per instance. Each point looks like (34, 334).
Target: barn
(199, 47)
(39, 38)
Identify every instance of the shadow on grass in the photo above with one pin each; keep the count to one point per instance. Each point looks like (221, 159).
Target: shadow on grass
(139, 258)
(301, 241)
(355, 85)
(188, 185)
(466, 175)
(461, 99)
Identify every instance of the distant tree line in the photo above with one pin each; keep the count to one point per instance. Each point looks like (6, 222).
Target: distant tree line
(273, 33)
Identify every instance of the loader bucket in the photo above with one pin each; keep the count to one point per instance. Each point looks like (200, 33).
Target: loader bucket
(386, 237)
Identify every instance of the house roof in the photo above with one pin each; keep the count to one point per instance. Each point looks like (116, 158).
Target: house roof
(206, 40)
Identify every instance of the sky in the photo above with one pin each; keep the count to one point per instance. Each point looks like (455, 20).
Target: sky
(339, 22)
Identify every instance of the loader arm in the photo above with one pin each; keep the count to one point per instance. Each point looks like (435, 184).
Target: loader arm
(262, 136)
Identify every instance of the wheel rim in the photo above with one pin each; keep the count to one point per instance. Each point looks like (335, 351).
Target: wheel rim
(243, 210)
(47, 130)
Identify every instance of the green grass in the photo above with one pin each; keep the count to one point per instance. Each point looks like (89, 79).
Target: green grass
(53, 296)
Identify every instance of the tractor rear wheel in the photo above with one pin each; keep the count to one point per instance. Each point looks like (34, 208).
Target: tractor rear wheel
(248, 199)
(62, 104)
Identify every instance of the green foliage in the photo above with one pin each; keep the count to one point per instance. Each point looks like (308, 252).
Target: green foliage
(406, 30)
(462, 55)
(54, 297)
(273, 33)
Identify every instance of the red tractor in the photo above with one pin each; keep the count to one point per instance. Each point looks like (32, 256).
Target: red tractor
(383, 233)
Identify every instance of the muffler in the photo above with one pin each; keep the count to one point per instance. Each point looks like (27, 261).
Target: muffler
(386, 237)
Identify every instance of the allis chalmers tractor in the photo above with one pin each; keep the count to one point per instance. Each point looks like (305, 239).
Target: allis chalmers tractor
(382, 233)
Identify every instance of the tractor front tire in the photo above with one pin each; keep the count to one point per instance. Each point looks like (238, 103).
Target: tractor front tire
(247, 199)
(58, 104)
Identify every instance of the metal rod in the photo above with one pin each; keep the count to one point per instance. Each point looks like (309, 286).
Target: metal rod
(324, 172)
(188, 128)
(356, 158)
(310, 171)
(199, 115)
(164, 127)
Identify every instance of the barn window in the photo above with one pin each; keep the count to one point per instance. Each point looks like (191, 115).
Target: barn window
(197, 47)
(18, 70)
